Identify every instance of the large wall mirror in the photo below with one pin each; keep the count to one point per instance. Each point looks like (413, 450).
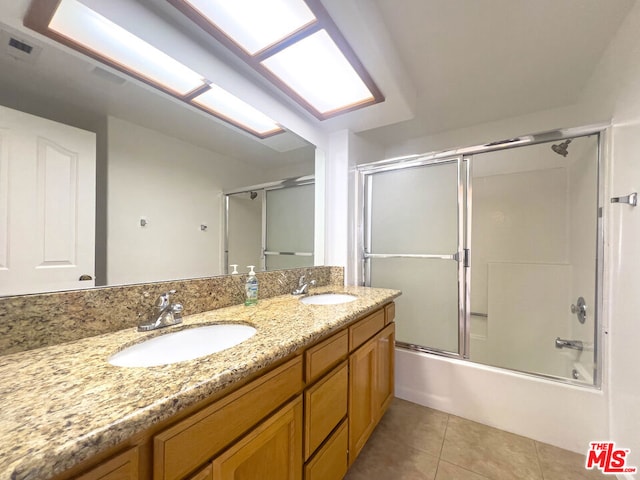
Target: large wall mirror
(161, 168)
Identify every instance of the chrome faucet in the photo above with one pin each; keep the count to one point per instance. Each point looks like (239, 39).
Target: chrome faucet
(162, 314)
(573, 344)
(303, 287)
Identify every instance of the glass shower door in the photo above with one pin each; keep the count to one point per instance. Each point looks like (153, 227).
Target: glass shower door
(289, 227)
(414, 227)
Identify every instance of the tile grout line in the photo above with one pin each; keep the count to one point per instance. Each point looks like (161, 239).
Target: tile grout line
(444, 436)
(535, 444)
(442, 446)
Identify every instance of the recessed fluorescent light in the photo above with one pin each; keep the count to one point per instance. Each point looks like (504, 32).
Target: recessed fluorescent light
(317, 70)
(228, 106)
(93, 31)
(255, 24)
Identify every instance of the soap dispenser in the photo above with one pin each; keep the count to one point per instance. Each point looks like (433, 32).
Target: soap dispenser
(251, 287)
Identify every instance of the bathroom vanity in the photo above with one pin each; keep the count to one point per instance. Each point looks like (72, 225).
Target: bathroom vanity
(297, 400)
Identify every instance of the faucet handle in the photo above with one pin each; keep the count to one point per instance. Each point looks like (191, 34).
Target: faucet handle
(301, 280)
(163, 299)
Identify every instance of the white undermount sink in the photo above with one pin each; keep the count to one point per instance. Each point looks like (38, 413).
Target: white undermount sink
(187, 344)
(328, 299)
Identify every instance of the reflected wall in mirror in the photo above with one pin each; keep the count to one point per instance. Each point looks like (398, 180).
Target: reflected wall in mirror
(271, 226)
(161, 166)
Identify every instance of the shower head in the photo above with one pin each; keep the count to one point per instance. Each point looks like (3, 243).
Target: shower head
(253, 195)
(561, 148)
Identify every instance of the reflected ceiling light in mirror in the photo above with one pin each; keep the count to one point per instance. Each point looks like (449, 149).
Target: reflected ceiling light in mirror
(230, 108)
(84, 26)
(75, 25)
(256, 24)
(318, 71)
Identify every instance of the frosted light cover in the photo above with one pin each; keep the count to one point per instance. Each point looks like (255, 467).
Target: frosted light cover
(317, 70)
(227, 105)
(95, 32)
(255, 24)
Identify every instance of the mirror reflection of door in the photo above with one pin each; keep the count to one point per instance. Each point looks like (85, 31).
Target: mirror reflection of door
(47, 205)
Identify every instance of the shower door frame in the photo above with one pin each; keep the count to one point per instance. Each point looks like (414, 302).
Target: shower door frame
(461, 256)
(603, 152)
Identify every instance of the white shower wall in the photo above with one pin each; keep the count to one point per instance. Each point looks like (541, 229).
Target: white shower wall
(520, 276)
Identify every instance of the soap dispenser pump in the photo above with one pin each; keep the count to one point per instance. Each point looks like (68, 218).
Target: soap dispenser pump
(251, 287)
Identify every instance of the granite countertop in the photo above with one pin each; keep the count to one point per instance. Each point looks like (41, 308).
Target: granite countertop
(65, 403)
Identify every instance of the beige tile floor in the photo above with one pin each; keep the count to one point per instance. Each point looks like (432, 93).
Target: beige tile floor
(413, 442)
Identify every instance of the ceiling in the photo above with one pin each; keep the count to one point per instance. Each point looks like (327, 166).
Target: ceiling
(475, 61)
(441, 64)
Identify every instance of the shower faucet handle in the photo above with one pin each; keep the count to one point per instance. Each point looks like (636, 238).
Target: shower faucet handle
(631, 199)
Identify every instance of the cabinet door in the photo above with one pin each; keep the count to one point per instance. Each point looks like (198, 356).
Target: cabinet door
(362, 411)
(272, 451)
(120, 467)
(384, 387)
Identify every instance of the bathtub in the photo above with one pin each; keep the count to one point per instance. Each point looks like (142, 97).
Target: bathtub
(567, 416)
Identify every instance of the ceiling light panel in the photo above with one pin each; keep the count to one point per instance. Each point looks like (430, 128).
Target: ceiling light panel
(228, 106)
(95, 32)
(317, 70)
(255, 24)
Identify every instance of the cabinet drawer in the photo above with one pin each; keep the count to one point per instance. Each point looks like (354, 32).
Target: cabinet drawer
(330, 463)
(365, 329)
(324, 356)
(190, 443)
(120, 467)
(325, 406)
(389, 313)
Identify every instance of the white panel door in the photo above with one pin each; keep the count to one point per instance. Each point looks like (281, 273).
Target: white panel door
(47, 204)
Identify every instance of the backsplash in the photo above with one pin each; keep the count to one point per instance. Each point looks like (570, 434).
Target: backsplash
(40, 320)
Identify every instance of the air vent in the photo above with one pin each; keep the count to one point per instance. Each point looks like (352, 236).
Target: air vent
(23, 47)
(19, 48)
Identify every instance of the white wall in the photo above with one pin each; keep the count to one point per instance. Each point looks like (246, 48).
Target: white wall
(519, 265)
(177, 187)
(616, 89)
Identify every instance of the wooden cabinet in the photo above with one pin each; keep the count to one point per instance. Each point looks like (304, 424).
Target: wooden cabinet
(309, 417)
(325, 407)
(190, 443)
(331, 462)
(325, 355)
(370, 387)
(385, 355)
(272, 451)
(120, 467)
